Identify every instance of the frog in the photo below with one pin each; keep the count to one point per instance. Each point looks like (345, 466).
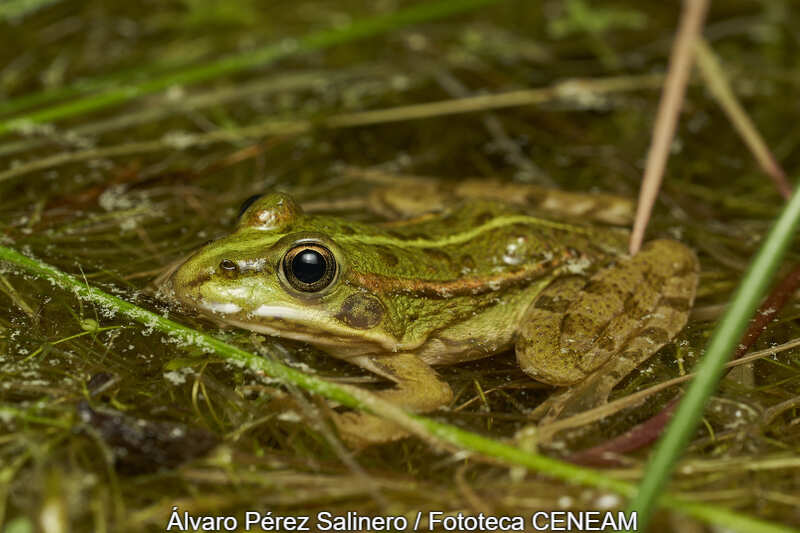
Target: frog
(460, 283)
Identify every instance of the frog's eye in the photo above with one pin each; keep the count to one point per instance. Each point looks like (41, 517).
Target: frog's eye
(247, 203)
(309, 267)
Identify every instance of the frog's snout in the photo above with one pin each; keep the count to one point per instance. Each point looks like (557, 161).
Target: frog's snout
(185, 281)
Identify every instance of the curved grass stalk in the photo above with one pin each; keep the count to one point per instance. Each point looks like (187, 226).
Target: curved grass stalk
(354, 397)
(723, 342)
(360, 29)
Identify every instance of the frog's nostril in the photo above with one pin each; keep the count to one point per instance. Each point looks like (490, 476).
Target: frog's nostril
(228, 267)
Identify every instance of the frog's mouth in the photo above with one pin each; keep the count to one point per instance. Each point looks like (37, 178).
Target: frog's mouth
(298, 324)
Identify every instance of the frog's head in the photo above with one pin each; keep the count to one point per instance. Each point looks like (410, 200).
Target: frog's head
(282, 273)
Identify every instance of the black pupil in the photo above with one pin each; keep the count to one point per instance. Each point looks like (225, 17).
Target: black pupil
(308, 266)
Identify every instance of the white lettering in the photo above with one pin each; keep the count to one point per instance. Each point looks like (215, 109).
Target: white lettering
(323, 521)
(175, 521)
(540, 521)
(557, 521)
(352, 521)
(188, 522)
(303, 526)
(434, 520)
(579, 521)
(252, 518)
(629, 523)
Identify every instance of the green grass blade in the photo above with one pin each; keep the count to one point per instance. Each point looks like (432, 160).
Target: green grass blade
(360, 29)
(709, 371)
(361, 399)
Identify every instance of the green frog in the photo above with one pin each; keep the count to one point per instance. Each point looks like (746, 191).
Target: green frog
(446, 287)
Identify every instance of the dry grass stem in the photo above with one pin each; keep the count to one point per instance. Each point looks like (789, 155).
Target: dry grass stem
(717, 83)
(680, 66)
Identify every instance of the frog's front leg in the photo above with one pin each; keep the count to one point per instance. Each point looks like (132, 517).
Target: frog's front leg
(417, 388)
(589, 334)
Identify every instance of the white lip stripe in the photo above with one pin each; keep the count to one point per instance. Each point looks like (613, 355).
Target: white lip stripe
(224, 308)
(278, 311)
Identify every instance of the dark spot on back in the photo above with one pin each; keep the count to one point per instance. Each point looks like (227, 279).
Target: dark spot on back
(598, 287)
(632, 307)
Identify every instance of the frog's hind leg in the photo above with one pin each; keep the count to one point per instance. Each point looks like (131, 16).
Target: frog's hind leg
(417, 388)
(663, 324)
(623, 315)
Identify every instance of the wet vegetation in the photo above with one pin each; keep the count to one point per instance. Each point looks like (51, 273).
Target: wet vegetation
(105, 424)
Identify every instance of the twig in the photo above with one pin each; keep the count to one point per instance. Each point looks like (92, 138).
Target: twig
(680, 65)
(718, 85)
